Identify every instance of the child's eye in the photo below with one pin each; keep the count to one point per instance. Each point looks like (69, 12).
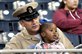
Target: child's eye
(55, 30)
(51, 30)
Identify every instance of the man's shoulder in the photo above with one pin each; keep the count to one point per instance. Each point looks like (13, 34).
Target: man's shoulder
(22, 33)
(17, 37)
(19, 34)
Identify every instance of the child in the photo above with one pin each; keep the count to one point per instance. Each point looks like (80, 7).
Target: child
(50, 38)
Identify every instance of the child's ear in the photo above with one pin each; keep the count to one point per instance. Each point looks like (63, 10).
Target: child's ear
(43, 34)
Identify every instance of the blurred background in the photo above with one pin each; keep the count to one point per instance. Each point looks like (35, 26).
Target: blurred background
(9, 25)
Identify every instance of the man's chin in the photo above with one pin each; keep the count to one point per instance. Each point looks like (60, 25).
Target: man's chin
(35, 30)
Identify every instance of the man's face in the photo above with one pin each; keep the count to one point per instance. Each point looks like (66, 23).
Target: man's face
(51, 34)
(71, 4)
(32, 26)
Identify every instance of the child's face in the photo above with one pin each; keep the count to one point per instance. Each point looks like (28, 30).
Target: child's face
(50, 34)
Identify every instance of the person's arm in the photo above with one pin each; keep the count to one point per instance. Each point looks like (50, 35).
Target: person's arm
(13, 44)
(62, 21)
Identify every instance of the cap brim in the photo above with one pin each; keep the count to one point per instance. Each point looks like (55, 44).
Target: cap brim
(29, 18)
(20, 9)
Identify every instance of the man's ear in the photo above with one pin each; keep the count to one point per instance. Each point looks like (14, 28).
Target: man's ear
(22, 23)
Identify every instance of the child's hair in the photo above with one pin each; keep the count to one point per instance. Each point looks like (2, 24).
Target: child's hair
(45, 26)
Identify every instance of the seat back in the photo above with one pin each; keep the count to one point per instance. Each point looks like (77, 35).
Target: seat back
(79, 46)
(64, 40)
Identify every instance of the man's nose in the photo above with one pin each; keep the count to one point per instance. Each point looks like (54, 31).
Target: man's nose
(34, 20)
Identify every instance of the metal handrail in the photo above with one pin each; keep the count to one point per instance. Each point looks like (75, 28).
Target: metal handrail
(39, 50)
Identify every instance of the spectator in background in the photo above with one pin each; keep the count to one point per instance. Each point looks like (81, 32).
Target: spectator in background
(50, 39)
(69, 19)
